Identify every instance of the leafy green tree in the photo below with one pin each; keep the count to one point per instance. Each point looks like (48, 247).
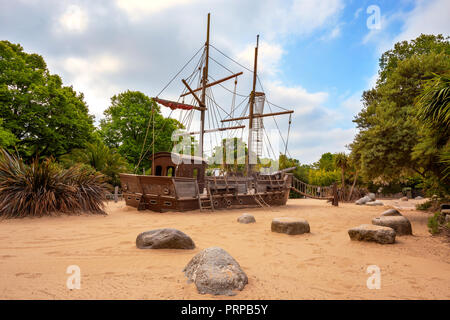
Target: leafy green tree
(128, 127)
(321, 177)
(389, 131)
(45, 117)
(103, 159)
(433, 111)
(7, 139)
(326, 162)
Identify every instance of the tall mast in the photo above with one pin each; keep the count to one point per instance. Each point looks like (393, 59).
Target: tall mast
(204, 82)
(252, 104)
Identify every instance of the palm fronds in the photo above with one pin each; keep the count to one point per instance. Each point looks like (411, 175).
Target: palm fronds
(434, 102)
(43, 188)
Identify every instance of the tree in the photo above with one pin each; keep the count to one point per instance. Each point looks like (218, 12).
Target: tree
(128, 127)
(6, 137)
(341, 161)
(326, 162)
(101, 158)
(45, 117)
(389, 131)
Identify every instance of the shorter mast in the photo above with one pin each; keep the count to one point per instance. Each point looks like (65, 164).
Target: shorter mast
(204, 83)
(250, 117)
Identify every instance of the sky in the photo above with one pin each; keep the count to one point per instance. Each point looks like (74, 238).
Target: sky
(315, 57)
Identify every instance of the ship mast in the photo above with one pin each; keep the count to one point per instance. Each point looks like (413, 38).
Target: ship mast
(204, 82)
(251, 107)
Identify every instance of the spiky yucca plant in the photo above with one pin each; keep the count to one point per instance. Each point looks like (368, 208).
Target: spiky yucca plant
(43, 188)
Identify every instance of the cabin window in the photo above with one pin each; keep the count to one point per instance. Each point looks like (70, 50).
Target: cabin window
(158, 171)
(170, 171)
(195, 173)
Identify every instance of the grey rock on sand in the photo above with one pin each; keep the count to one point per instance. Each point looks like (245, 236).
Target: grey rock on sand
(214, 271)
(418, 198)
(390, 213)
(372, 196)
(374, 203)
(363, 200)
(164, 239)
(368, 232)
(290, 226)
(246, 218)
(400, 224)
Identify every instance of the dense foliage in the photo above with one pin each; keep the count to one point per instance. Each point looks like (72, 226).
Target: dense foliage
(101, 158)
(393, 143)
(128, 123)
(39, 115)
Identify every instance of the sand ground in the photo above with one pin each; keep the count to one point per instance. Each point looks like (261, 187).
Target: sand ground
(325, 264)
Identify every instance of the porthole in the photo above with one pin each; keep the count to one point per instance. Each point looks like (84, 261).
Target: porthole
(153, 202)
(167, 203)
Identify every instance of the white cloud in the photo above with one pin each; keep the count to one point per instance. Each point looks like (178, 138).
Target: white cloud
(428, 17)
(139, 9)
(269, 57)
(311, 145)
(74, 19)
(90, 76)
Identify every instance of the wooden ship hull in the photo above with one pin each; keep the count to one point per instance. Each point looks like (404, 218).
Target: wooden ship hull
(161, 193)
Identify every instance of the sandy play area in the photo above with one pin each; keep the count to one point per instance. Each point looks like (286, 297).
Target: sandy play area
(325, 264)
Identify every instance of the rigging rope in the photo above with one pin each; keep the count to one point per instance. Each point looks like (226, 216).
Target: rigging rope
(180, 71)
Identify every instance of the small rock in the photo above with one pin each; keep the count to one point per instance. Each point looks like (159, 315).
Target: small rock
(290, 226)
(418, 198)
(404, 198)
(390, 213)
(214, 271)
(367, 232)
(372, 196)
(374, 203)
(164, 239)
(246, 218)
(363, 200)
(400, 224)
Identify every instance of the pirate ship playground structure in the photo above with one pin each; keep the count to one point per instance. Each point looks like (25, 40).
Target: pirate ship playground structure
(178, 182)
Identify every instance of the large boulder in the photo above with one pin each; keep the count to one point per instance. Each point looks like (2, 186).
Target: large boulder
(214, 271)
(400, 224)
(391, 213)
(246, 218)
(374, 203)
(363, 200)
(368, 232)
(290, 226)
(164, 239)
(372, 196)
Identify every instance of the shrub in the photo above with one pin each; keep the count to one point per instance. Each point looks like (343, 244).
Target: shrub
(424, 206)
(44, 188)
(433, 223)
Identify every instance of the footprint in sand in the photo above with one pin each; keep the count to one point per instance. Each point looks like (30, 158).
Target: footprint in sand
(29, 275)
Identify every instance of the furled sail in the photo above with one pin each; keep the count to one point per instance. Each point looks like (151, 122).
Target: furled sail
(174, 105)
